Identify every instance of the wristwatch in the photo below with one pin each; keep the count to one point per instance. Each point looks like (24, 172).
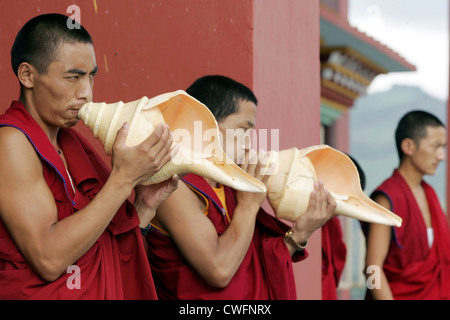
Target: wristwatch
(291, 241)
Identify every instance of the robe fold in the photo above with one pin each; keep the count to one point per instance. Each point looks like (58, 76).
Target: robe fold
(265, 272)
(334, 252)
(414, 270)
(116, 266)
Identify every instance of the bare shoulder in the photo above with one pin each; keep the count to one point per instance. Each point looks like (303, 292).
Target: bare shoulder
(17, 153)
(12, 139)
(183, 205)
(382, 200)
(379, 235)
(9, 134)
(21, 176)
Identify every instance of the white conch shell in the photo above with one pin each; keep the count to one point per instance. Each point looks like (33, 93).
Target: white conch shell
(194, 128)
(298, 169)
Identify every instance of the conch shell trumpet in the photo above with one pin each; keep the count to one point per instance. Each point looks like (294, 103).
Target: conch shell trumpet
(297, 170)
(194, 128)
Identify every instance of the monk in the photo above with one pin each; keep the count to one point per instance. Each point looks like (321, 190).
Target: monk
(209, 241)
(67, 230)
(412, 261)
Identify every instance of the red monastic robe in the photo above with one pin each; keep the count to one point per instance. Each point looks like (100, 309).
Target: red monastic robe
(265, 273)
(116, 266)
(334, 252)
(413, 269)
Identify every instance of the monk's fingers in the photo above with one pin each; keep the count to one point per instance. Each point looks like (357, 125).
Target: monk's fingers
(154, 137)
(263, 164)
(165, 155)
(121, 136)
(159, 143)
(267, 173)
(165, 148)
(157, 139)
(244, 163)
(325, 202)
(312, 201)
(320, 195)
(263, 168)
(164, 142)
(252, 163)
(249, 162)
(331, 202)
(174, 150)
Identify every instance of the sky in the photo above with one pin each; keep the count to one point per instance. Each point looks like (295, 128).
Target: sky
(415, 29)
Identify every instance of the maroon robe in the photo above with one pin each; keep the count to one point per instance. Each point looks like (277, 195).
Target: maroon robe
(115, 267)
(334, 252)
(265, 273)
(413, 269)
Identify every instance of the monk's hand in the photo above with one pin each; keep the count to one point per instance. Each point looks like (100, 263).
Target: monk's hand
(149, 197)
(320, 209)
(254, 164)
(138, 164)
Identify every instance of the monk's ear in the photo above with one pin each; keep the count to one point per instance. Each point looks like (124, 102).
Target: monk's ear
(408, 146)
(26, 74)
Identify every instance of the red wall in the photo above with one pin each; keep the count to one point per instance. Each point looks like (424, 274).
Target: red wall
(146, 47)
(287, 84)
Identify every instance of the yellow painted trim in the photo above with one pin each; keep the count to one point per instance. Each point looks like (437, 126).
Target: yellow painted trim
(338, 88)
(355, 54)
(347, 72)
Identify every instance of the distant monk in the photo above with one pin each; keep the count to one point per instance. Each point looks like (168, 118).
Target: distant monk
(414, 259)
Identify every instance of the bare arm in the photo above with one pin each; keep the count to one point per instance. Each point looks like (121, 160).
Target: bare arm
(28, 209)
(378, 242)
(215, 258)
